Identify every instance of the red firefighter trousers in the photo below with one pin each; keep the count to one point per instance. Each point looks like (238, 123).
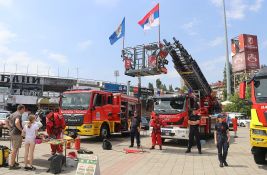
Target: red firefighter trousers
(156, 138)
(57, 148)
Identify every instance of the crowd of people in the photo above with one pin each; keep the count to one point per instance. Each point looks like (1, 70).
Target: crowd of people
(51, 121)
(221, 134)
(54, 125)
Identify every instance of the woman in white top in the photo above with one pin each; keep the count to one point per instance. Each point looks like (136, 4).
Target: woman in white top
(30, 131)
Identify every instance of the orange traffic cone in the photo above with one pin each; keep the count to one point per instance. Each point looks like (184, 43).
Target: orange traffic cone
(77, 143)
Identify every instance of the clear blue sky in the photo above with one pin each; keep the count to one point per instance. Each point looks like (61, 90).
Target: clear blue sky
(66, 34)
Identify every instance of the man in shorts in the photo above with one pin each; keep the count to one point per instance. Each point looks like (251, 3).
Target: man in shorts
(15, 124)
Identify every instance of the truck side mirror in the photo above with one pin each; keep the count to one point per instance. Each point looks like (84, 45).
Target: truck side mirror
(248, 102)
(94, 101)
(92, 108)
(242, 90)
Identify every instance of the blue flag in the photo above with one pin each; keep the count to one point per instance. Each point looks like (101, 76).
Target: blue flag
(120, 32)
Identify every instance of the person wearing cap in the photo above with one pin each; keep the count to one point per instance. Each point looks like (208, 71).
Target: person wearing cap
(135, 130)
(193, 122)
(222, 139)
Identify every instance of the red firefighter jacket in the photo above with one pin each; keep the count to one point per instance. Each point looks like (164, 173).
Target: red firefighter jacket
(55, 123)
(156, 124)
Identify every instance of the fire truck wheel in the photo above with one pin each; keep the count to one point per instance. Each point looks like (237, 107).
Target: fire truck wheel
(104, 132)
(259, 157)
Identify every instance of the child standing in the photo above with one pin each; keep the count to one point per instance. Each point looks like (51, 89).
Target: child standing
(30, 131)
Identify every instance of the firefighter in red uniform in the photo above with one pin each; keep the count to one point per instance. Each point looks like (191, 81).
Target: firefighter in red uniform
(55, 125)
(156, 123)
(234, 121)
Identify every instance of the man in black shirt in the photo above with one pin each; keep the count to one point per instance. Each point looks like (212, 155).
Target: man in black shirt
(221, 139)
(193, 122)
(135, 130)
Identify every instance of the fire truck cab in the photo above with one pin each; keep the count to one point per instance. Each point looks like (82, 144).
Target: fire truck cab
(258, 123)
(96, 113)
(174, 111)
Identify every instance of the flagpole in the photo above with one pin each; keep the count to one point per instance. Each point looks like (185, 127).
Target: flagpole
(123, 42)
(159, 30)
(159, 33)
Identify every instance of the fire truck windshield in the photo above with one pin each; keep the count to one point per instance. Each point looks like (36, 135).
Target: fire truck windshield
(76, 101)
(261, 90)
(169, 105)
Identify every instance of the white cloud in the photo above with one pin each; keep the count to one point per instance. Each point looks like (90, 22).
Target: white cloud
(217, 3)
(216, 42)
(255, 7)
(85, 44)
(189, 27)
(238, 9)
(6, 35)
(57, 57)
(18, 61)
(6, 3)
(213, 68)
(60, 58)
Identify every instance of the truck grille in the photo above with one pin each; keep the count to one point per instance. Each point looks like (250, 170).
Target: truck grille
(74, 120)
(179, 122)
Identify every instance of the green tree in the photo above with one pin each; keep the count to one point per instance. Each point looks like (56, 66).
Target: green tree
(225, 81)
(150, 86)
(238, 105)
(171, 88)
(184, 89)
(158, 84)
(164, 88)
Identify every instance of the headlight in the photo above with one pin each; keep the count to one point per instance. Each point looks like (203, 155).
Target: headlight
(87, 126)
(259, 132)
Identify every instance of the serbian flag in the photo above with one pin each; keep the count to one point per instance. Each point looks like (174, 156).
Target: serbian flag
(151, 19)
(120, 32)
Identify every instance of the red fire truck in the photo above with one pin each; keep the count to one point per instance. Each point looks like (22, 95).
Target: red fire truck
(174, 109)
(97, 113)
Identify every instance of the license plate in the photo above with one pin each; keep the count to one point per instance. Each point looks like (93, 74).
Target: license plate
(72, 127)
(166, 132)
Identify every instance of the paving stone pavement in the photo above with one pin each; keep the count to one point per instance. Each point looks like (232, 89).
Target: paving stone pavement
(170, 161)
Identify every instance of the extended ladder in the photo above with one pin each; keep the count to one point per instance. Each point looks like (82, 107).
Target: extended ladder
(188, 68)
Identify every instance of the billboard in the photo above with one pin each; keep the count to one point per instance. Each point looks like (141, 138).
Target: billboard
(248, 60)
(248, 42)
(115, 87)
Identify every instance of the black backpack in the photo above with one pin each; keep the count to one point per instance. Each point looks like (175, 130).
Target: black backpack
(106, 145)
(56, 162)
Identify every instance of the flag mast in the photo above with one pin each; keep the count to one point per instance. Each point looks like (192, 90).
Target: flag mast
(159, 28)
(123, 35)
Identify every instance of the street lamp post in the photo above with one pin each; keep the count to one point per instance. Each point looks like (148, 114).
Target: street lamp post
(116, 74)
(228, 81)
